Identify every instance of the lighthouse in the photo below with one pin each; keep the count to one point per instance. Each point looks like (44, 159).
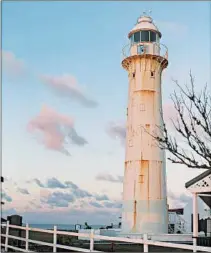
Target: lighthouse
(144, 188)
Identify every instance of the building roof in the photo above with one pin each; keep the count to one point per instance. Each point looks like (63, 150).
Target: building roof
(3, 220)
(145, 23)
(176, 210)
(206, 195)
(206, 199)
(198, 178)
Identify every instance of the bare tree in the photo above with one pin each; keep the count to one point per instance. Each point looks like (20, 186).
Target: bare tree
(192, 126)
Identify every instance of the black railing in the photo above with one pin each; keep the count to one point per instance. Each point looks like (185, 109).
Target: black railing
(204, 241)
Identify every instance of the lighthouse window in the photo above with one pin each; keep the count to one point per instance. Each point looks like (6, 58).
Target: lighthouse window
(137, 37)
(140, 49)
(131, 39)
(142, 107)
(158, 38)
(152, 73)
(145, 36)
(152, 36)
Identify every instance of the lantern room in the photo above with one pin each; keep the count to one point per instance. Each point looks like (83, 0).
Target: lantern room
(145, 37)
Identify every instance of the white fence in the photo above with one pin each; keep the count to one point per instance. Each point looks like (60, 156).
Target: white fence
(145, 241)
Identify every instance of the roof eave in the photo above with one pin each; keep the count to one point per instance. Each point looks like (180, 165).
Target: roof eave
(197, 178)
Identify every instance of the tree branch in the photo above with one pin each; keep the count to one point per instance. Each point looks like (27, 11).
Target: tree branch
(193, 125)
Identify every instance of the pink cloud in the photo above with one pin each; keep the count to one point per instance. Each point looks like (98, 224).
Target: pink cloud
(11, 65)
(54, 130)
(68, 86)
(117, 130)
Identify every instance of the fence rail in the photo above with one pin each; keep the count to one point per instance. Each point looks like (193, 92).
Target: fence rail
(145, 241)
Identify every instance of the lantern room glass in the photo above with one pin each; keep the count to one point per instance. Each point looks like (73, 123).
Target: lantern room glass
(144, 36)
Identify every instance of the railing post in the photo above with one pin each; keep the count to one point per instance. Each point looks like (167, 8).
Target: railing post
(194, 244)
(195, 221)
(27, 237)
(92, 240)
(54, 238)
(6, 236)
(146, 243)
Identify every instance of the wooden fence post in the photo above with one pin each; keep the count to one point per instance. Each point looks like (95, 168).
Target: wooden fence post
(146, 248)
(92, 240)
(54, 238)
(27, 237)
(194, 244)
(6, 235)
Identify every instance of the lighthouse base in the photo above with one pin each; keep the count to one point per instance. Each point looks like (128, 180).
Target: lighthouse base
(150, 216)
(145, 228)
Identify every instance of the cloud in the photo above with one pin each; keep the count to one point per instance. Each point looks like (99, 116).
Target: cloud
(179, 199)
(117, 131)
(72, 194)
(79, 193)
(59, 199)
(67, 86)
(75, 198)
(113, 204)
(37, 181)
(76, 139)
(101, 197)
(71, 184)
(6, 197)
(55, 130)
(11, 65)
(109, 178)
(23, 191)
(53, 183)
(95, 204)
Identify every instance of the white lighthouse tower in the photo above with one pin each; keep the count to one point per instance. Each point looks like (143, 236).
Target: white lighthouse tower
(144, 190)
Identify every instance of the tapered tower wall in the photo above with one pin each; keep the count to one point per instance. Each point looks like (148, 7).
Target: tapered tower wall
(144, 188)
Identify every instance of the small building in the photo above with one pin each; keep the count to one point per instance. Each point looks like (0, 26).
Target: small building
(200, 187)
(176, 222)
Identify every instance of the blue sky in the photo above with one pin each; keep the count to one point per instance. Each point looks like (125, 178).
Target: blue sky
(85, 40)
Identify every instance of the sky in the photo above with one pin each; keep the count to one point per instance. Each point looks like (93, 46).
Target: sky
(64, 100)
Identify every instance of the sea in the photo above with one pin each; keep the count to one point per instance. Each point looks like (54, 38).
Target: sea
(63, 226)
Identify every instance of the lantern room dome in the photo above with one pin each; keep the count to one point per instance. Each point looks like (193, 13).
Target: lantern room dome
(144, 23)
